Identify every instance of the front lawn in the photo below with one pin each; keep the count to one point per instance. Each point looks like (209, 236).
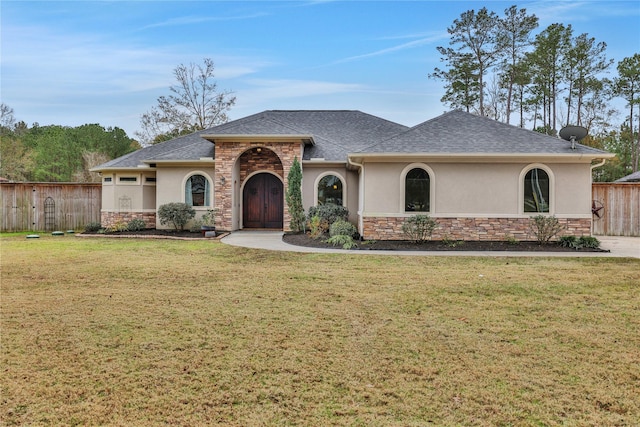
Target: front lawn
(151, 332)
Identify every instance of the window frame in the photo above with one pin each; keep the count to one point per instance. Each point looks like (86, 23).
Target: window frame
(321, 177)
(209, 182)
(403, 187)
(122, 179)
(551, 190)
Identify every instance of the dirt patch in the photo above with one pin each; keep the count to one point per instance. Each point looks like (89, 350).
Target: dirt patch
(437, 245)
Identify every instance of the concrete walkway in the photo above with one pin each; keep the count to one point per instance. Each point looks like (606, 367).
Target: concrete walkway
(272, 240)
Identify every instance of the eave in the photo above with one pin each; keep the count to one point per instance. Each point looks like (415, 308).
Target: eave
(222, 138)
(181, 162)
(480, 157)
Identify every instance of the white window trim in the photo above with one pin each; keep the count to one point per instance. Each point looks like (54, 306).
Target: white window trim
(552, 192)
(119, 176)
(112, 178)
(146, 182)
(208, 177)
(327, 173)
(432, 188)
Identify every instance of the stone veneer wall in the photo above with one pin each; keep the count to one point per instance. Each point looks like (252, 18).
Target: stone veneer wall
(252, 161)
(227, 153)
(109, 219)
(390, 228)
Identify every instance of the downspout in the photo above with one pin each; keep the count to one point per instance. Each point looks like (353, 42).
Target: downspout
(597, 165)
(360, 193)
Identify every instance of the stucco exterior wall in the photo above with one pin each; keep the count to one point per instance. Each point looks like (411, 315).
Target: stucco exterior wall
(311, 174)
(470, 189)
(123, 201)
(475, 201)
(170, 182)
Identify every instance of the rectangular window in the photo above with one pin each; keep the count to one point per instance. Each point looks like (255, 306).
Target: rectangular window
(107, 179)
(128, 179)
(149, 179)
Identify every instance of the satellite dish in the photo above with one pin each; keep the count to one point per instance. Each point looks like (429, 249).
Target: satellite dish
(573, 134)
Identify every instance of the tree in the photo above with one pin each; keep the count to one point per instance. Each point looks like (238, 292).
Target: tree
(294, 197)
(477, 33)
(16, 160)
(7, 119)
(584, 62)
(627, 86)
(546, 61)
(462, 90)
(90, 159)
(194, 104)
(514, 36)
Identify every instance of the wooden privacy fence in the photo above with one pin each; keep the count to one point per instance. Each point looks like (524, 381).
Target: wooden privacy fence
(45, 206)
(621, 213)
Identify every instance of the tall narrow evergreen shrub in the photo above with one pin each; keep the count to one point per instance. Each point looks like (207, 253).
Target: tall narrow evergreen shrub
(294, 197)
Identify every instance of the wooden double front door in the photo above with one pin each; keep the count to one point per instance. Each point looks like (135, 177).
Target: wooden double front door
(263, 202)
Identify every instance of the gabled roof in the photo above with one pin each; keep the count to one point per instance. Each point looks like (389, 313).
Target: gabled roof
(460, 133)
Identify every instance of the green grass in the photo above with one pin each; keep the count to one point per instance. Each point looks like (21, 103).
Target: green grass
(150, 332)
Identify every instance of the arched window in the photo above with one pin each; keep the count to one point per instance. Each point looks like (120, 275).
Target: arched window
(536, 191)
(196, 191)
(330, 190)
(417, 188)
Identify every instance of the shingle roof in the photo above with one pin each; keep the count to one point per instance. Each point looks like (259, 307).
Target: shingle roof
(634, 177)
(458, 132)
(337, 133)
(188, 147)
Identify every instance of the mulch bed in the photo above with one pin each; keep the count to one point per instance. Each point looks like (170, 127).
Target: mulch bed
(436, 245)
(300, 239)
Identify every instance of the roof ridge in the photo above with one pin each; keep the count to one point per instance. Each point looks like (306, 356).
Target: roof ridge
(404, 131)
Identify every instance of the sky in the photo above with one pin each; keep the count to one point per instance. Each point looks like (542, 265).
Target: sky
(76, 62)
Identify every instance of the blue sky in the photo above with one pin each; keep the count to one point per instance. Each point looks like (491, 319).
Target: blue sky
(78, 62)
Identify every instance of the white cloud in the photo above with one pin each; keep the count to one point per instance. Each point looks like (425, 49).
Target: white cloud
(197, 19)
(432, 38)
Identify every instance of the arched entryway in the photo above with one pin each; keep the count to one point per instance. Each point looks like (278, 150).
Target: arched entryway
(262, 202)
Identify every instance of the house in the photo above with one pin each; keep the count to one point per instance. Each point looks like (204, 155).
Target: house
(479, 178)
(634, 177)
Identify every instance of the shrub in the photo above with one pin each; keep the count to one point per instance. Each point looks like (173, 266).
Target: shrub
(589, 242)
(342, 239)
(294, 197)
(196, 226)
(318, 227)
(118, 226)
(177, 214)
(329, 213)
(451, 242)
(512, 240)
(419, 228)
(136, 224)
(342, 228)
(545, 228)
(579, 243)
(568, 241)
(92, 227)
